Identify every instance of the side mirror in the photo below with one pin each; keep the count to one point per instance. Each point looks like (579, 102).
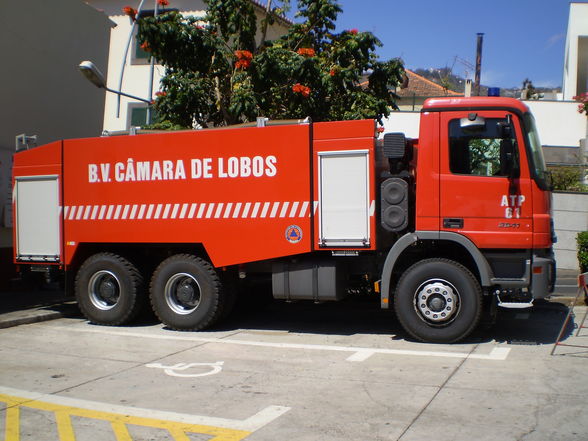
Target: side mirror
(505, 130)
(509, 159)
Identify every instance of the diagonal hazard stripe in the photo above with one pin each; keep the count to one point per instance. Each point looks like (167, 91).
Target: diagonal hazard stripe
(120, 431)
(12, 429)
(178, 425)
(178, 430)
(62, 417)
(191, 210)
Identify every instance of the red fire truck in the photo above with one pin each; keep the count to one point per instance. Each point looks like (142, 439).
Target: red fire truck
(444, 227)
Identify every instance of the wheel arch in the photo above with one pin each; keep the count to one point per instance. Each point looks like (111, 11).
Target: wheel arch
(139, 252)
(409, 248)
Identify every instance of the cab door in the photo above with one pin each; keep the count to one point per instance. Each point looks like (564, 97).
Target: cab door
(485, 188)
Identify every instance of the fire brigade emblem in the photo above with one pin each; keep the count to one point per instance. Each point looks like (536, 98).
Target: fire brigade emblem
(293, 234)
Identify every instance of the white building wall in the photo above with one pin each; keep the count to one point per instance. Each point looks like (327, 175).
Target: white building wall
(570, 213)
(137, 73)
(575, 78)
(403, 122)
(559, 122)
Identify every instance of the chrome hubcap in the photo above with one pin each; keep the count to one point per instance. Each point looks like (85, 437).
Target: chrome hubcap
(104, 290)
(182, 293)
(437, 301)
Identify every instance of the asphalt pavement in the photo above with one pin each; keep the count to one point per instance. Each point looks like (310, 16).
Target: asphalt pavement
(337, 371)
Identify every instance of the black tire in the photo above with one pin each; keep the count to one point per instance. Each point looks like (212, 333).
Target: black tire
(186, 293)
(109, 289)
(438, 301)
(230, 285)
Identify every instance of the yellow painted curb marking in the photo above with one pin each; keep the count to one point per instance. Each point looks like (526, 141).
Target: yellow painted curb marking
(119, 422)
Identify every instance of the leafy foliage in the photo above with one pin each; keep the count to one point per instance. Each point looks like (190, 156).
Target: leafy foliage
(484, 156)
(568, 178)
(582, 239)
(216, 74)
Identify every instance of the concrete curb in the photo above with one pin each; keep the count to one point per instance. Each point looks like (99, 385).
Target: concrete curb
(39, 313)
(567, 300)
(9, 320)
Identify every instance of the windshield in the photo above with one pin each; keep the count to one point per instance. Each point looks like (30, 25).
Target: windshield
(538, 169)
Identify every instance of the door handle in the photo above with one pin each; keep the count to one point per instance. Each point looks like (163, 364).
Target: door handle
(452, 222)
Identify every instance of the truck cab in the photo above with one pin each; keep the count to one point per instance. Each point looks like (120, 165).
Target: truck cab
(482, 199)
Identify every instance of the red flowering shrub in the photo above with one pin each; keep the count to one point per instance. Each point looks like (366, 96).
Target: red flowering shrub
(306, 52)
(160, 94)
(226, 67)
(163, 2)
(583, 100)
(127, 10)
(301, 89)
(145, 46)
(243, 59)
(244, 55)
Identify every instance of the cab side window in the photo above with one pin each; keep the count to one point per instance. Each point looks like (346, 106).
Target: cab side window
(486, 149)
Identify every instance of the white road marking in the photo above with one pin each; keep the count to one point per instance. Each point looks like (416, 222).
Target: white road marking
(360, 353)
(172, 371)
(251, 424)
(360, 356)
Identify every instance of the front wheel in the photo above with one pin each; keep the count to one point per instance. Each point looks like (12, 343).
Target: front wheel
(438, 301)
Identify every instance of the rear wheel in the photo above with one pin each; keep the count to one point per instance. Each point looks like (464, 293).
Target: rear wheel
(109, 289)
(438, 300)
(186, 293)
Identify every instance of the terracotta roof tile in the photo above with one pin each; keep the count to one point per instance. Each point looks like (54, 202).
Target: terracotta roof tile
(422, 87)
(284, 21)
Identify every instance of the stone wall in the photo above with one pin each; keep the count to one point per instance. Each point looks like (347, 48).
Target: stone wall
(570, 212)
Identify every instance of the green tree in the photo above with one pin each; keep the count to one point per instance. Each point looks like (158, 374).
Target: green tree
(216, 74)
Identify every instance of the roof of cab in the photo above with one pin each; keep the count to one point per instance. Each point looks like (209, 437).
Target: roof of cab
(473, 103)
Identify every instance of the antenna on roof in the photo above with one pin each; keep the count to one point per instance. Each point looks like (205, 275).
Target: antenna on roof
(478, 63)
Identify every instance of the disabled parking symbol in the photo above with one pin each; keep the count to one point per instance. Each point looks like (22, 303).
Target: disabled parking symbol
(177, 370)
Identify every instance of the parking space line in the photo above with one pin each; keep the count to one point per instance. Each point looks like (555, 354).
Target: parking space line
(12, 428)
(62, 417)
(497, 353)
(360, 356)
(177, 424)
(122, 433)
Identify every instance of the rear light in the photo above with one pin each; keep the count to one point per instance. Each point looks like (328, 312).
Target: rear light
(537, 270)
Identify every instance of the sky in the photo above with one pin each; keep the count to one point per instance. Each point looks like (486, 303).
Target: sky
(522, 38)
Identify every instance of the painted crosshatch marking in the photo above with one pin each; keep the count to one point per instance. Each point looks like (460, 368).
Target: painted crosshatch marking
(67, 411)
